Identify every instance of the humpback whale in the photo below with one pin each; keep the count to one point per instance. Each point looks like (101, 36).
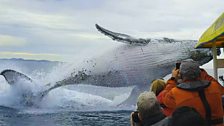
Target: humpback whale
(136, 62)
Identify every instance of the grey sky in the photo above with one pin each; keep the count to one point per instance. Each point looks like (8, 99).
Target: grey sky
(64, 29)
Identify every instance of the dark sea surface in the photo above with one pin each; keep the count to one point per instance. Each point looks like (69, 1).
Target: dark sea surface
(13, 117)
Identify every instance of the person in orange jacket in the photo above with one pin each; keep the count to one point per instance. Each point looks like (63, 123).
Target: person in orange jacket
(156, 87)
(196, 89)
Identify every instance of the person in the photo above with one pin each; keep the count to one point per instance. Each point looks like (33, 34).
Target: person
(156, 87)
(194, 91)
(148, 112)
(186, 116)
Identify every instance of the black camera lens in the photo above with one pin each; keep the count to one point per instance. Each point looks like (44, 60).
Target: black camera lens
(135, 117)
(178, 65)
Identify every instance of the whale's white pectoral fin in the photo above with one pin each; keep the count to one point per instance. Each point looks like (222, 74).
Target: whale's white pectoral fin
(123, 37)
(12, 76)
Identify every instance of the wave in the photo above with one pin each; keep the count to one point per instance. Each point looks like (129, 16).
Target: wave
(74, 97)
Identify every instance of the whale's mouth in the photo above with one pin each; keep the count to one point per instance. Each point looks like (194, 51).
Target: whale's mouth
(202, 56)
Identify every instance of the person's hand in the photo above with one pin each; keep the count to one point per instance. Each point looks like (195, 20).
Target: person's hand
(132, 122)
(175, 73)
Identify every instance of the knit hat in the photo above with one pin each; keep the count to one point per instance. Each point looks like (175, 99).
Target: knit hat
(189, 69)
(157, 86)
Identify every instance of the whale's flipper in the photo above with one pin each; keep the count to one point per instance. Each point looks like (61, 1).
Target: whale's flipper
(123, 37)
(78, 78)
(45, 92)
(12, 76)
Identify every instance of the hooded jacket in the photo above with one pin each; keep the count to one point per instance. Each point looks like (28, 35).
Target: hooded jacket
(186, 94)
(168, 111)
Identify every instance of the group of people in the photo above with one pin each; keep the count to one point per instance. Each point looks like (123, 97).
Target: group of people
(191, 97)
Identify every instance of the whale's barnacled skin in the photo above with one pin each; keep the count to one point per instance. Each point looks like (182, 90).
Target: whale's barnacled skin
(140, 61)
(136, 63)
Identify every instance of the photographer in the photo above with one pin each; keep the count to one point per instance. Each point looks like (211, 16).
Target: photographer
(196, 89)
(148, 112)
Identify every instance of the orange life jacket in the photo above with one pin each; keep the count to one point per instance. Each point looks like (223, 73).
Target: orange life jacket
(173, 97)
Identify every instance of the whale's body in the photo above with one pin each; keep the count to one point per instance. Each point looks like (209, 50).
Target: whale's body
(139, 65)
(137, 62)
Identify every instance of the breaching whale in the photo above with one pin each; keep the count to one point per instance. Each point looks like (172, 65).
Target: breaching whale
(137, 62)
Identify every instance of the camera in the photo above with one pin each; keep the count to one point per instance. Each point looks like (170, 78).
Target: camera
(135, 117)
(178, 65)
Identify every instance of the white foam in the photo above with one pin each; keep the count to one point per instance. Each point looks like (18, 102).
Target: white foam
(76, 98)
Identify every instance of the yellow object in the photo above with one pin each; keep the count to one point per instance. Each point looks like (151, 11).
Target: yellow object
(214, 34)
(157, 86)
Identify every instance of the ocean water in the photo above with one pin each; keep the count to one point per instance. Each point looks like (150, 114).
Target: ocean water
(12, 117)
(80, 105)
(84, 110)
(74, 105)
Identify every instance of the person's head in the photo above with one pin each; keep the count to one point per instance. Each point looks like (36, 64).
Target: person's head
(157, 86)
(186, 116)
(189, 70)
(147, 105)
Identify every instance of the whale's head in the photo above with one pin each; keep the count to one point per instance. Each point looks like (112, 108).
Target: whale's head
(202, 55)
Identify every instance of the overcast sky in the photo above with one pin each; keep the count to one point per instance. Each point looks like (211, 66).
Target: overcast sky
(65, 29)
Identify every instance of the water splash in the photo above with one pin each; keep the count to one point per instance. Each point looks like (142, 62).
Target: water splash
(73, 98)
